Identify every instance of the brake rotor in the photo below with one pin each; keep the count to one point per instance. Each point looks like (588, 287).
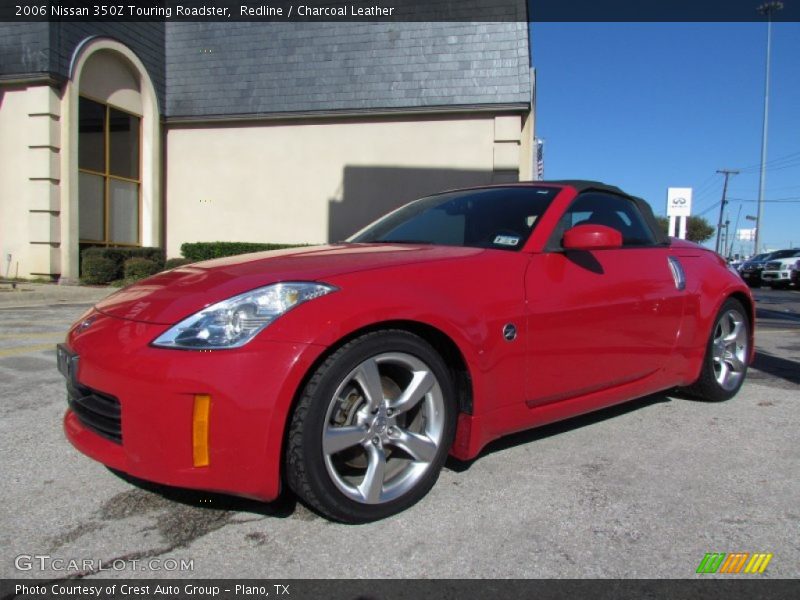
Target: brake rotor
(346, 413)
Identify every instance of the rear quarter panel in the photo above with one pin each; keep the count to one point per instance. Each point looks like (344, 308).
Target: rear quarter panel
(709, 283)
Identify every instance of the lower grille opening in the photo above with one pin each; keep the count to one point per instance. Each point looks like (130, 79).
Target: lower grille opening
(96, 411)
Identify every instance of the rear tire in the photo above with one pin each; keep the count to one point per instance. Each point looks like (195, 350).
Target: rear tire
(727, 353)
(372, 428)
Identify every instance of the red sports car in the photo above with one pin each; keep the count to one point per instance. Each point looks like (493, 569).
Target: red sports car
(350, 371)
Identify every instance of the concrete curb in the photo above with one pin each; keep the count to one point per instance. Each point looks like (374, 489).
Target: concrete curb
(44, 294)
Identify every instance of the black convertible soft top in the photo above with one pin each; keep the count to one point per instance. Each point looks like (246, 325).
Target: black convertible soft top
(583, 185)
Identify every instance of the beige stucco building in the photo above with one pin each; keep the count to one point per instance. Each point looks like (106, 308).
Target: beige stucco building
(154, 134)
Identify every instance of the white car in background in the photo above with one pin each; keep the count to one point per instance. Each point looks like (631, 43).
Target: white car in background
(777, 272)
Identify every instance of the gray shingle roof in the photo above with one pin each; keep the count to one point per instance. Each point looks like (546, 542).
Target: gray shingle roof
(24, 48)
(46, 49)
(215, 69)
(263, 68)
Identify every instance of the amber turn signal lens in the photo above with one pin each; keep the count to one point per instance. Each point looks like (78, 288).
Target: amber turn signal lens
(202, 409)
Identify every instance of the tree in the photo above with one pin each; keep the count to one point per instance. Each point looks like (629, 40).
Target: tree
(697, 228)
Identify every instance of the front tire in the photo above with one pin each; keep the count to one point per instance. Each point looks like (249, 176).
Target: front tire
(372, 428)
(728, 350)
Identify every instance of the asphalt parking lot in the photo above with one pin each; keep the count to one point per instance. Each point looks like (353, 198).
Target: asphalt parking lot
(643, 490)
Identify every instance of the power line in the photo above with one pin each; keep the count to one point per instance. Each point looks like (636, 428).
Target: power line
(701, 197)
(789, 200)
(775, 189)
(707, 210)
(777, 167)
(708, 183)
(774, 161)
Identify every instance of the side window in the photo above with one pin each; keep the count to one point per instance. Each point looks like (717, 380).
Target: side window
(606, 209)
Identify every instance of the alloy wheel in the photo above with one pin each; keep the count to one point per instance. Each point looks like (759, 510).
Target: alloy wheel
(383, 428)
(730, 349)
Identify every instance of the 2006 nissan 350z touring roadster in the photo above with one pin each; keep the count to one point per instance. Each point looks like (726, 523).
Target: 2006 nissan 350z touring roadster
(349, 372)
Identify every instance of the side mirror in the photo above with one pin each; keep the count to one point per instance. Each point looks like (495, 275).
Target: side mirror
(591, 237)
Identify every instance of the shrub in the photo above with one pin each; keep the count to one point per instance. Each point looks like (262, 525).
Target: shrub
(98, 270)
(120, 255)
(207, 250)
(173, 263)
(139, 268)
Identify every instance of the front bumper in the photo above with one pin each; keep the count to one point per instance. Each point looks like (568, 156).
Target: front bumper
(751, 276)
(776, 276)
(251, 390)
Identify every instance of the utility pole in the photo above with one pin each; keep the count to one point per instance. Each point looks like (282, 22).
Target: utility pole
(735, 231)
(765, 9)
(727, 173)
(727, 237)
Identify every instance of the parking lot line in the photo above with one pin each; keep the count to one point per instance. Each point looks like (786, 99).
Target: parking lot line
(26, 336)
(28, 323)
(26, 350)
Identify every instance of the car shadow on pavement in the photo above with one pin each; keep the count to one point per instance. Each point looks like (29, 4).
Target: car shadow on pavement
(546, 431)
(283, 507)
(789, 370)
(775, 315)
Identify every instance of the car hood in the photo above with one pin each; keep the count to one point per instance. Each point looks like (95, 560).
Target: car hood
(173, 295)
(783, 261)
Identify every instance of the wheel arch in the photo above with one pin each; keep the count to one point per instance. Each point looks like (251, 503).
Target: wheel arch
(441, 342)
(747, 301)
(447, 348)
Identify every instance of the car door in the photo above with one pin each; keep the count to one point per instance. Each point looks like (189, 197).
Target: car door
(602, 318)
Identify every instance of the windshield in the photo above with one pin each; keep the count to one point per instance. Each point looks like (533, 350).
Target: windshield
(501, 218)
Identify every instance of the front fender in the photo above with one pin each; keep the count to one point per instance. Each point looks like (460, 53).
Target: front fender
(468, 301)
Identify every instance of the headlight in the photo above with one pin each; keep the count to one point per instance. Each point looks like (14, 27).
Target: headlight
(234, 322)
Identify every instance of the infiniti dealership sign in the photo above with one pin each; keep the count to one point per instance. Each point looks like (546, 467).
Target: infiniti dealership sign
(679, 202)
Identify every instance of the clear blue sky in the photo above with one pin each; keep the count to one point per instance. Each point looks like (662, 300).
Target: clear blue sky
(647, 106)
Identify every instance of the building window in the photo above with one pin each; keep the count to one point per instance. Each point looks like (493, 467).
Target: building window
(109, 150)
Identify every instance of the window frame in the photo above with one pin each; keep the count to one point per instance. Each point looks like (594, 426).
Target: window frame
(554, 242)
(108, 176)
